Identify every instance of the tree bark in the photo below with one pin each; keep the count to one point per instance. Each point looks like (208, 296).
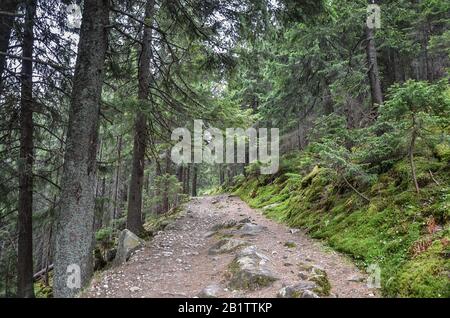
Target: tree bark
(25, 207)
(117, 180)
(166, 202)
(373, 71)
(74, 220)
(6, 23)
(134, 217)
(221, 175)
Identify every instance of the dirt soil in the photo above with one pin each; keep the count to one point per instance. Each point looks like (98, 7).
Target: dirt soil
(177, 262)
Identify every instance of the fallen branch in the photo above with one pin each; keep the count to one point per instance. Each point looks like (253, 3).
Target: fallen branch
(354, 189)
(432, 178)
(42, 272)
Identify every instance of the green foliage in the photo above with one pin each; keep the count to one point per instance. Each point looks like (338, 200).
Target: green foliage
(105, 237)
(405, 233)
(418, 98)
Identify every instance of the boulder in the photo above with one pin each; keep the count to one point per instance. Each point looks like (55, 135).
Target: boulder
(249, 271)
(226, 245)
(128, 243)
(250, 229)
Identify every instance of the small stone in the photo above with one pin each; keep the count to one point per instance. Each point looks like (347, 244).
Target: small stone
(209, 234)
(309, 294)
(210, 291)
(134, 289)
(356, 278)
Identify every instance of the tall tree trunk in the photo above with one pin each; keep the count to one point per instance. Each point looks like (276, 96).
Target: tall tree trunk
(117, 179)
(221, 175)
(25, 208)
(75, 218)
(373, 71)
(180, 173)
(194, 179)
(8, 9)
(157, 194)
(134, 217)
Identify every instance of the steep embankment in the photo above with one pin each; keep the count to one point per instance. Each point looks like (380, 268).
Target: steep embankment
(406, 234)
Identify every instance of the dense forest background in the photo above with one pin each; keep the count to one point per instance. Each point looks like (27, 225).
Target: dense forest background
(87, 113)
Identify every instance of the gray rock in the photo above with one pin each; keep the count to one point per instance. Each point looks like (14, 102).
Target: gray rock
(250, 229)
(309, 294)
(245, 220)
(128, 243)
(249, 271)
(210, 291)
(226, 245)
(317, 275)
(224, 225)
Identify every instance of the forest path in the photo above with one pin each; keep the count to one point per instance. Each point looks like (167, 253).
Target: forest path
(177, 262)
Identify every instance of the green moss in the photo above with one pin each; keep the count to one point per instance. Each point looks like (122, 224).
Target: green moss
(290, 244)
(380, 232)
(323, 284)
(240, 279)
(443, 151)
(425, 275)
(42, 290)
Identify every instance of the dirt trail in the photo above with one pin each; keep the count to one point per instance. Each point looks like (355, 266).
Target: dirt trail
(177, 262)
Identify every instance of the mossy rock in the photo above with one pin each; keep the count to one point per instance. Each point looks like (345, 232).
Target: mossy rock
(316, 275)
(226, 245)
(304, 289)
(290, 244)
(307, 180)
(248, 272)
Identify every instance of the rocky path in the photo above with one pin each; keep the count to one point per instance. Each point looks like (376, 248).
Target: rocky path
(220, 247)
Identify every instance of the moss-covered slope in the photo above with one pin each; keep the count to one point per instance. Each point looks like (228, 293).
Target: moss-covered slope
(405, 233)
